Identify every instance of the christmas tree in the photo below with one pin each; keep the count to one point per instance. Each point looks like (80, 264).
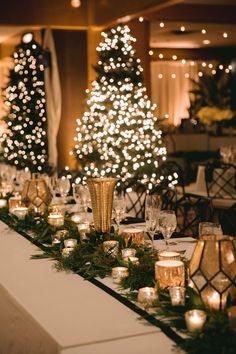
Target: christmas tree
(25, 142)
(119, 134)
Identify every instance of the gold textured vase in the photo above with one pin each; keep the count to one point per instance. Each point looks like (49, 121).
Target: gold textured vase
(101, 191)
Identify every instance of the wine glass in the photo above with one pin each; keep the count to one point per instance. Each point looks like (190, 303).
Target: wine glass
(167, 224)
(64, 187)
(209, 228)
(152, 209)
(225, 152)
(81, 196)
(119, 209)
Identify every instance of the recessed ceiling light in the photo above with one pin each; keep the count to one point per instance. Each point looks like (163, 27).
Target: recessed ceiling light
(182, 28)
(162, 24)
(206, 41)
(204, 31)
(140, 19)
(75, 3)
(225, 35)
(27, 37)
(150, 52)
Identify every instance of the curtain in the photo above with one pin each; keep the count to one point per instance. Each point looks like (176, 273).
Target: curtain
(53, 98)
(170, 83)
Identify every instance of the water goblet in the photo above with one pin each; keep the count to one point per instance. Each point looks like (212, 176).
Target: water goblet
(63, 187)
(119, 209)
(167, 224)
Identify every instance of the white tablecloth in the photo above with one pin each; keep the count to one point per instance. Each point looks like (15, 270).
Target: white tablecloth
(50, 312)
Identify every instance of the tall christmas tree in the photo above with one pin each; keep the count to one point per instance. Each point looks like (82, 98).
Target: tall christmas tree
(119, 134)
(25, 142)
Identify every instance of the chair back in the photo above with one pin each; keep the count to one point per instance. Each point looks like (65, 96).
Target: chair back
(220, 180)
(227, 221)
(190, 210)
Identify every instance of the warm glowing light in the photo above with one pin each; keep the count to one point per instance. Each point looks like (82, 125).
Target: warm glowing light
(75, 3)
(225, 35)
(204, 31)
(182, 28)
(162, 24)
(150, 52)
(206, 41)
(141, 19)
(174, 57)
(27, 37)
(161, 56)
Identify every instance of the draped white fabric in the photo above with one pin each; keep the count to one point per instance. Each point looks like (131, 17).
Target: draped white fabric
(53, 98)
(170, 83)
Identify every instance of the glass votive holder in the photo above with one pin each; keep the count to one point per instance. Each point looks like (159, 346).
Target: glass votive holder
(111, 247)
(70, 243)
(133, 260)
(119, 273)
(169, 273)
(128, 252)
(168, 255)
(76, 218)
(177, 295)
(66, 251)
(83, 228)
(147, 296)
(195, 320)
(3, 203)
(56, 220)
(20, 212)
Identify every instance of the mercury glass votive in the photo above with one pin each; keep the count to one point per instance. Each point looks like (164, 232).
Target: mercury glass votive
(3, 203)
(15, 202)
(111, 247)
(70, 243)
(134, 234)
(147, 296)
(169, 273)
(195, 320)
(58, 236)
(133, 260)
(177, 295)
(128, 252)
(56, 220)
(67, 251)
(76, 218)
(83, 228)
(20, 212)
(168, 255)
(119, 273)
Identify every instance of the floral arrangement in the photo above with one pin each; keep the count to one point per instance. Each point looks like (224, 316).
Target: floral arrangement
(209, 115)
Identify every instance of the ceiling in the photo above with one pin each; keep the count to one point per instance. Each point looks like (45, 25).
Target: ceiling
(215, 16)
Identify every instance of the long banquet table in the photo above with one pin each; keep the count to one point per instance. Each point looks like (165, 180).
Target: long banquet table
(50, 312)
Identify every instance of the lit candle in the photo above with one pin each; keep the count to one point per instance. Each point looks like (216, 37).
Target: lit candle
(232, 316)
(119, 273)
(111, 248)
(20, 212)
(60, 234)
(167, 255)
(56, 220)
(195, 320)
(133, 260)
(135, 234)
(67, 251)
(83, 228)
(177, 295)
(147, 296)
(3, 203)
(128, 252)
(76, 218)
(213, 300)
(70, 243)
(15, 202)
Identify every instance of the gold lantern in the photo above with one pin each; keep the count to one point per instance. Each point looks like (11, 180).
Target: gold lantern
(101, 191)
(36, 194)
(212, 270)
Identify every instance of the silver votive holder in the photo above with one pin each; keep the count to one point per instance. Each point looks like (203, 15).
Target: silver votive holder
(177, 295)
(70, 243)
(20, 212)
(111, 248)
(56, 220)
(147, 296)
(195, 320)
(128, 252)
(66, 251)
(119, 273)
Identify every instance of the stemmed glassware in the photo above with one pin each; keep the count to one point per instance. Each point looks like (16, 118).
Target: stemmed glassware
(167, 224)
(119, 209)
(209, 228)
(152, 209)
(64, 187)
(81, 196)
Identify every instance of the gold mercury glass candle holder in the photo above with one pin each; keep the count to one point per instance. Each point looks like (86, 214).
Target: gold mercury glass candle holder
(70, 243)
(128, 252)
(67, 251)
(168, 255)
(195, 320)
(56, 219)
(147, 296)
(134, 234)
(119, 273)
(3, 203)
(169, 273)
(111, 248)
(177, 295)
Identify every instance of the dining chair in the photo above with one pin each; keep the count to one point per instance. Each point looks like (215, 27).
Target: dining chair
(190, 210)
(174, 175)
(227, 220)
(220, 180)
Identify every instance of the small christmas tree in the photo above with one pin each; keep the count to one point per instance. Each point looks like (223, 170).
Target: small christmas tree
(119, 134)
(25, 142)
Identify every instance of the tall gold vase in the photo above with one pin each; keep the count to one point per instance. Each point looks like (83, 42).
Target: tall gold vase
(101, 191)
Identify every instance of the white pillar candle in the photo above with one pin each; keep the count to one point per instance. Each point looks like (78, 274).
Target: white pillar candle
(168, 255)
(119, 273)
(70, 243)
(195, 320)
(56, 220)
